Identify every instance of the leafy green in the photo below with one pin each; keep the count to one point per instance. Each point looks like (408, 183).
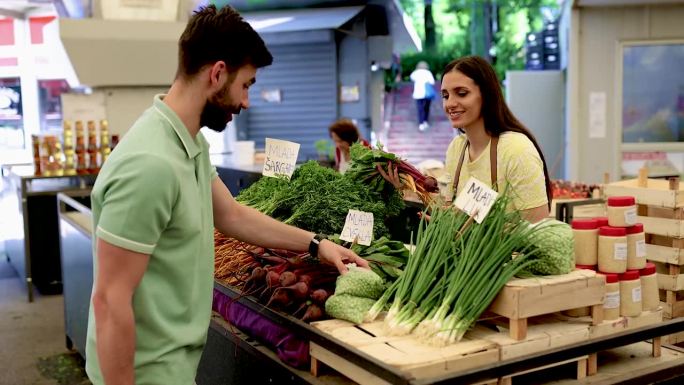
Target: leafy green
(348, 307)
(554, 243)
(318, 199)
(360, 283)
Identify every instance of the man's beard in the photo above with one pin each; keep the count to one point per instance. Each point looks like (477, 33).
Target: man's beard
(216, 114)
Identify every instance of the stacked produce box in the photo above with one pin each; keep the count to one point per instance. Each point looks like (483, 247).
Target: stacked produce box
(660, 207)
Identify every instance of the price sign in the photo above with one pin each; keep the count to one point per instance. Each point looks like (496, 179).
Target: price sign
(476, 199)
(359, 227)
(281, 158)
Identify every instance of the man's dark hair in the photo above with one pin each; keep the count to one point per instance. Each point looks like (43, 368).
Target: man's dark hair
(219, 35)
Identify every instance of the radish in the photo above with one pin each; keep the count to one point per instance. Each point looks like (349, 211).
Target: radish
(287, 278)
(313, 313)
(319, 296)
(279, 298)
(300, 290)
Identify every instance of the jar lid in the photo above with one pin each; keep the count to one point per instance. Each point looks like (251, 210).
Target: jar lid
(629, 275)
(636, 229)
(611, 277)
(621, 201)
(586, 267)
(612, 231)
(648, 270)
(585, 224)
(602, 221)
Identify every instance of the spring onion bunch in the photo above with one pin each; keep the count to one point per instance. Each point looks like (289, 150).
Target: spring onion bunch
(455, 272)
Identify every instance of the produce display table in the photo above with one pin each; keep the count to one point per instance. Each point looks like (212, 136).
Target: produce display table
(355, 349)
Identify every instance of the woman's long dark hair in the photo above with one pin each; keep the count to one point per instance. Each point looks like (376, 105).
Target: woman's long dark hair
(498, 118)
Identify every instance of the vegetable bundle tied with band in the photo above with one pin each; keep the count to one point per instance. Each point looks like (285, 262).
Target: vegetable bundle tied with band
(364, 167)
(456, 270)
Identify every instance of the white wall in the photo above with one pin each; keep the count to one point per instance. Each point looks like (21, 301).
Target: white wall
(592, 65)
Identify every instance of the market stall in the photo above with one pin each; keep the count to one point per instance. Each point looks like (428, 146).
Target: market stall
(562, 314)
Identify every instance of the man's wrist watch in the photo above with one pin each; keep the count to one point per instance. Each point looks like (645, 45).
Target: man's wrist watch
(313, 245)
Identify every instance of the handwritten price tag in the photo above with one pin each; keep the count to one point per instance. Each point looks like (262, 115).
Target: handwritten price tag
(281, 158)
(476, 199)
(359, 226)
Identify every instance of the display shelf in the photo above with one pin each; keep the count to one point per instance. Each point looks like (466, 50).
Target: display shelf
(408, 354)
(480, 374)
(349, 353)
(521, 299)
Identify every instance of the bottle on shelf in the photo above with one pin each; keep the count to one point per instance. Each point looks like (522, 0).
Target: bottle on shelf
(92, 149)
(35, 141)
(81, 165)
(104, 141)
(69, 167)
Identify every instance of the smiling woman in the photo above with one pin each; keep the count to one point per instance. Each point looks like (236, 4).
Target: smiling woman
(474, 104)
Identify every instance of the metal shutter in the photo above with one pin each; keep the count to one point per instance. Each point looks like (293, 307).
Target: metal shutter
(306, 75)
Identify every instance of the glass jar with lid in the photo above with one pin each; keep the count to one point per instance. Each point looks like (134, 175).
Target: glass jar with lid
(622, 211)
(585, 234)
(630, 294)
(612, 249)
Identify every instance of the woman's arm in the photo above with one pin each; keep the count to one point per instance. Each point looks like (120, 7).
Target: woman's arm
(536, 214)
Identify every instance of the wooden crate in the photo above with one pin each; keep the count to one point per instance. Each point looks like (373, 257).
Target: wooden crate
(672, 303)
(671, 339)
(544, 333)
(521, 299)
(407, 354)
(657, 192)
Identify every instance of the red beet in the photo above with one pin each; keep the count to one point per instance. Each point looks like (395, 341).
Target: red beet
(287, 278)
(313, 313)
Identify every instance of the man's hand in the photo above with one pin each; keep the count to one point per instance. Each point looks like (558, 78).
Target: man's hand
(333, 254)
(392, 175)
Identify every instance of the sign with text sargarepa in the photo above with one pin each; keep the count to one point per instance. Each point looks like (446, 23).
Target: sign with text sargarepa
(281, 158)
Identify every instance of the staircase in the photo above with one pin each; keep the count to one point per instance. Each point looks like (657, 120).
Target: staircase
(401, 135)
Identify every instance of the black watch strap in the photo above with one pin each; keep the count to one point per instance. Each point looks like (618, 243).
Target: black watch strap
(313, 245)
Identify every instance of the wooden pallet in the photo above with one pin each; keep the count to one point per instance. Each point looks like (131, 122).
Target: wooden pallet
(407, 354)
(521, 299)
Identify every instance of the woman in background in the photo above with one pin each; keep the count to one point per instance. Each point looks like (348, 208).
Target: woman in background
(344, 133)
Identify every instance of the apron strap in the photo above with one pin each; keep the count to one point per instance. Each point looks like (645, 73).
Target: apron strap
(493, 144)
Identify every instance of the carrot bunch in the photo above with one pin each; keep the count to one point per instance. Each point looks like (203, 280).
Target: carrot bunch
(233, 259)
(280, 279)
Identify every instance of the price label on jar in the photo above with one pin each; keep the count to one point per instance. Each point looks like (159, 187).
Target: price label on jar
(359, 227)
(636, 294)
(640, 248)
(631, 216)
(612, 300)
(476, 199)
(620, 253)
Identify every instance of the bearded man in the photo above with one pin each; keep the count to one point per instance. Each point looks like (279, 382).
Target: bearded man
(156, 203)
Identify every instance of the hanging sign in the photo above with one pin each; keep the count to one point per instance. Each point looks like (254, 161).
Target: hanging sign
(359, 227)
(281, 158)
(476, 199)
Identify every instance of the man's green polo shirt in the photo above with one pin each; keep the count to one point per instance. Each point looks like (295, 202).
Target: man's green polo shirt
(153, 196)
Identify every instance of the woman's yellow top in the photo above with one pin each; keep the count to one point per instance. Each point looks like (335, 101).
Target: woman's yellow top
(519, 167)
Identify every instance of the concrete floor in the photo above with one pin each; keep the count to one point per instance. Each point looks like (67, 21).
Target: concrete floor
(31, 335)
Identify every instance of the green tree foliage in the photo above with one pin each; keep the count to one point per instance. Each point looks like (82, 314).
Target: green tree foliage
(494, 29)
